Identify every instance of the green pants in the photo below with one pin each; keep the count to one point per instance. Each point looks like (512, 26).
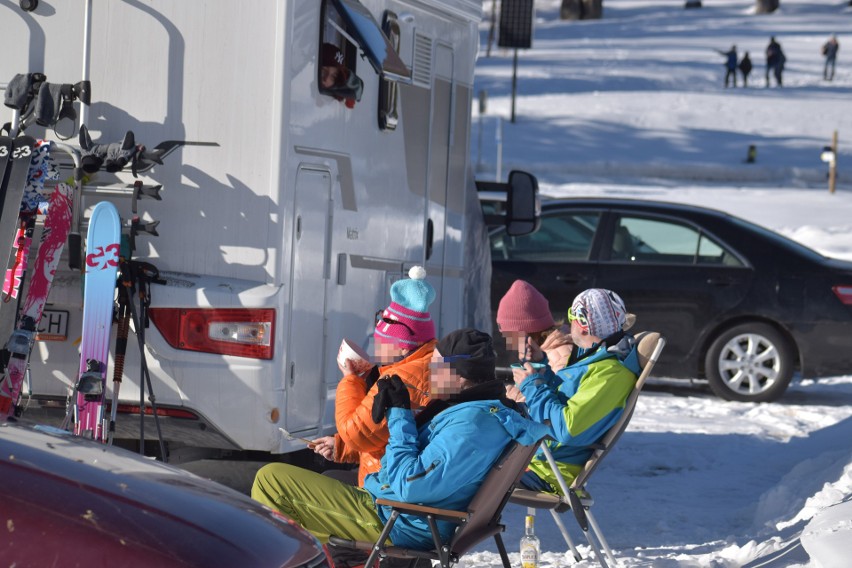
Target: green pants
(320, 504)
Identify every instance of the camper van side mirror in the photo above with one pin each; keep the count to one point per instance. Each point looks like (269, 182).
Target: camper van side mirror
(523, 208)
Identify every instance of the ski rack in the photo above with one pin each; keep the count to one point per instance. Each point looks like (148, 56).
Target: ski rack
(75, 240)
(134, 191)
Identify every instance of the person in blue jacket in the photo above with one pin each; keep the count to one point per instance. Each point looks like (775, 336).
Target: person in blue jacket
(438, 458)
(829, 50)
(730, 65)
(586, 398)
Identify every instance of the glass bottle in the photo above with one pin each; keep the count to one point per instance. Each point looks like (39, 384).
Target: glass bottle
(530, 545)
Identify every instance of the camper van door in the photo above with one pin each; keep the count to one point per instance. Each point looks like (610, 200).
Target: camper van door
(304, 386)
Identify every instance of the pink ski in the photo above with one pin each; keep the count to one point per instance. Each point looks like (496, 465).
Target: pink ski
(102, 251)
(57, 224)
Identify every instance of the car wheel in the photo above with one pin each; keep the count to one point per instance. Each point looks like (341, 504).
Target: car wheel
(750, 362)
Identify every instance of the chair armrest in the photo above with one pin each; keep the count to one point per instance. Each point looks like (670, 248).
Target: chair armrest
(413, 508)
(540, 500)
(351, 544)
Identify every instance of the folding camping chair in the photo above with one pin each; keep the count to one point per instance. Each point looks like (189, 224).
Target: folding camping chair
(481, 520)
(576, 497)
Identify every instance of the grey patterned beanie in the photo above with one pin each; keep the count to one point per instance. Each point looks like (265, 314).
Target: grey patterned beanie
(603, 311)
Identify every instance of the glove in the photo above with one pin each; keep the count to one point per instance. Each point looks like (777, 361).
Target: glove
(392, 393)
(113, 157)
(21, 90)
(371, 377)
(48, 103)
(120, 154)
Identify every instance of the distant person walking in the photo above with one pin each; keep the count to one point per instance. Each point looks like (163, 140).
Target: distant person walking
(730, 65)
(829, 50)
(745, 68)
(775, 61)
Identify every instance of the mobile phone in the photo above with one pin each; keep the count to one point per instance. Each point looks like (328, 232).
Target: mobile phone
(535, 366)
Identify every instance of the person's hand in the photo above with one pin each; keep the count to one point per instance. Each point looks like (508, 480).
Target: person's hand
(558, 346)
(392, 393)
(346, 367)
(559, 336)
(354, 367)
(519, 374)
(559, 356)
(514, 393)
(324, 446)
(533, 351)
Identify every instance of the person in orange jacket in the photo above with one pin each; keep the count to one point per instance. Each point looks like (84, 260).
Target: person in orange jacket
(404, 341)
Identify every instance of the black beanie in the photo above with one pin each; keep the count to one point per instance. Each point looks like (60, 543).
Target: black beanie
(476, 360)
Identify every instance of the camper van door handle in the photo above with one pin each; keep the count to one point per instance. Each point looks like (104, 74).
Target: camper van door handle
(298, 227)
(430, 235)
(292, 374)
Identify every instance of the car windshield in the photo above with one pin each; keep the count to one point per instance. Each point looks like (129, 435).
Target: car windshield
(780, 239)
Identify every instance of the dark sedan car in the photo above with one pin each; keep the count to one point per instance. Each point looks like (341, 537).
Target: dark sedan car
(739, 304)
(67, 501)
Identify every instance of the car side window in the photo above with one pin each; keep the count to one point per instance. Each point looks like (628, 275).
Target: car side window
(642, 240)
(711, 252)
(561, 237)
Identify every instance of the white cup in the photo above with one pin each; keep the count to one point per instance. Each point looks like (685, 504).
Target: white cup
(358, 358)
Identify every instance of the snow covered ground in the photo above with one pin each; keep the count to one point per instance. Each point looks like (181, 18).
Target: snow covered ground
(633, 105)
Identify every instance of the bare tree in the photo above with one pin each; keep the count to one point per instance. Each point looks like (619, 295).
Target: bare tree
(767, 6)
(594, 9)
(581, 9)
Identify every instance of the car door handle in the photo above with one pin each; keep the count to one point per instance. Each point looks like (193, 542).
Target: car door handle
(722, 281)
(572, 278)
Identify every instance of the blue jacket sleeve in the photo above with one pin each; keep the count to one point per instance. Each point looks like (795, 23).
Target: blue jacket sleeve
(550, 378)
(421, 475)
(585, 416)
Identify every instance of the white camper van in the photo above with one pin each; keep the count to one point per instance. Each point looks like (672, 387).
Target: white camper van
(323, 152)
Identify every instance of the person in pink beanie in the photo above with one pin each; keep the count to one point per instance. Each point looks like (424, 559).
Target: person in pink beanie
(405, 324)
(526, 323)
(404, 341)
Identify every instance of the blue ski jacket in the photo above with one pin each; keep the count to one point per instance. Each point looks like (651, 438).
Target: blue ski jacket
(444, 462)
(581, 404)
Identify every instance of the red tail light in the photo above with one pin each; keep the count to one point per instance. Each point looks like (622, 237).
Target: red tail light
(844, 293)
(232, 331)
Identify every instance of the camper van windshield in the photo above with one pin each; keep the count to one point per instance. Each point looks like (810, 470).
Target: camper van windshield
(376, 46)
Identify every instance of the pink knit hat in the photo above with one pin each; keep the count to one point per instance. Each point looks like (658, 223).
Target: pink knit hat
(523, 308)
(406, 321)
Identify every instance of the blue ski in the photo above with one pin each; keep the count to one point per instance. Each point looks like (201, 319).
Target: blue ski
(102, 256)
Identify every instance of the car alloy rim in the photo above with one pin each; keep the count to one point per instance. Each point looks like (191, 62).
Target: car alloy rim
(749, 364)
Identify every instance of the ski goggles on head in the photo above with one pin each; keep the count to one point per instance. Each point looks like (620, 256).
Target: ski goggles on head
(380, 318)
(454, 358)
(578, 314)
(447, 362)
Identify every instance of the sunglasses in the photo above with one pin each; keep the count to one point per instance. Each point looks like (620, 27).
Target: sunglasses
(578, 314)
(380, 318)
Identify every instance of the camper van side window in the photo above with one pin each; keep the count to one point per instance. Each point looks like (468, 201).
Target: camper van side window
(336, 75)
(388, 90)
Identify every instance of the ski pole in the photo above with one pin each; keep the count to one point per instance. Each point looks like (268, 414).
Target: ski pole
(120, 351)
(139, 273)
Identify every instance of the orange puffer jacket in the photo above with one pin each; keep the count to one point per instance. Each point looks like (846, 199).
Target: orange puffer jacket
(358, 438)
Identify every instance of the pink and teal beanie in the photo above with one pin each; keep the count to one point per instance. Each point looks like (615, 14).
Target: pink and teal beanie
(406, 321)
